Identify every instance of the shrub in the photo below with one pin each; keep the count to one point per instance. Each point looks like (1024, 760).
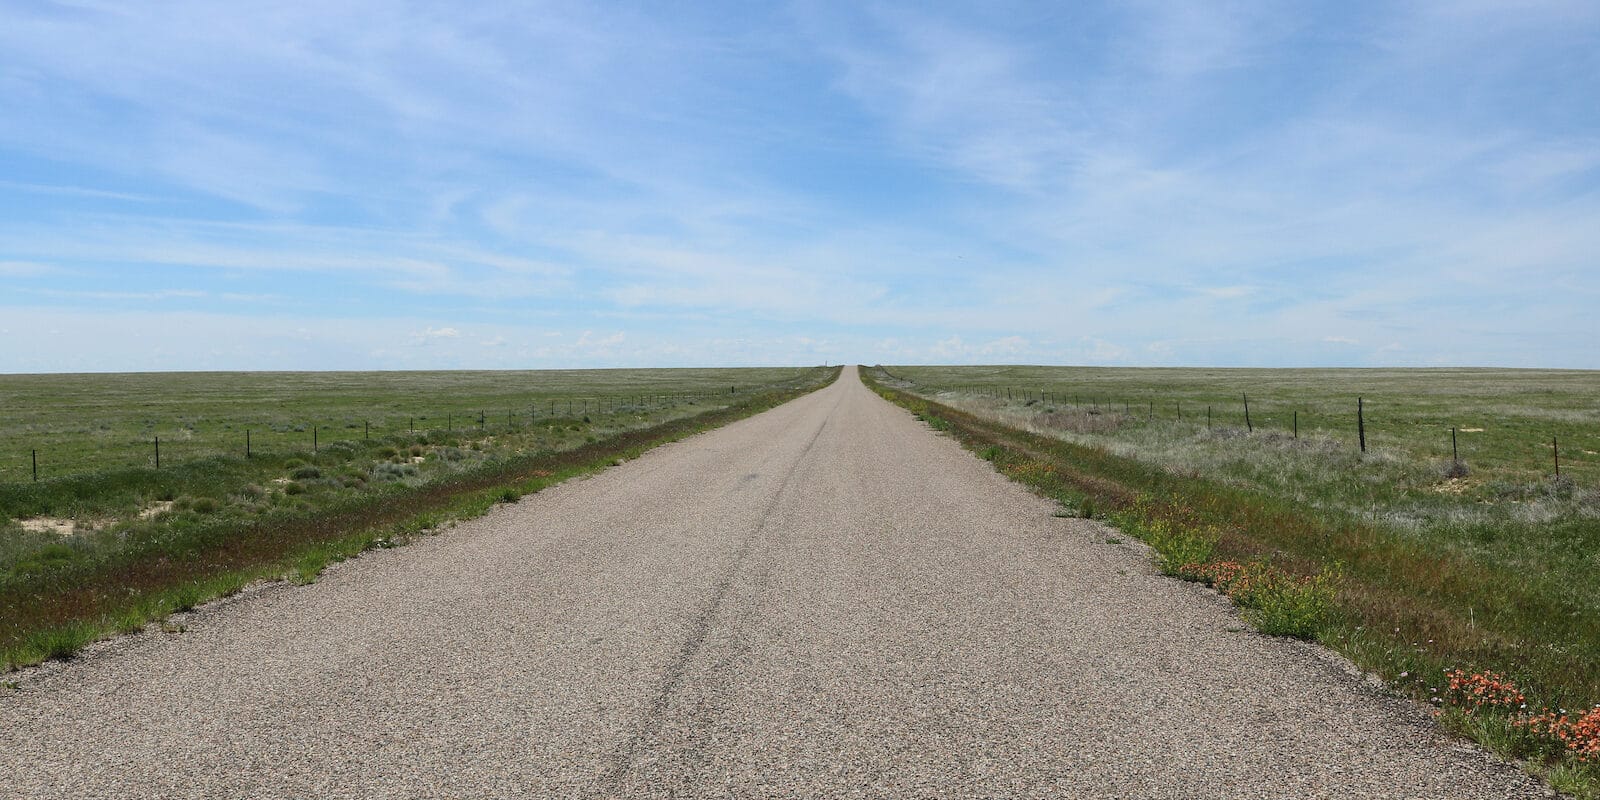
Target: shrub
(1176, 545)
(1298, 607)
(387, 472)
(306, 473)
(1281, 604)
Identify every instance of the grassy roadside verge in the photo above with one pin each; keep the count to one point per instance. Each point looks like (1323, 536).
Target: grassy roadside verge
(1507, 665)
(54, 613)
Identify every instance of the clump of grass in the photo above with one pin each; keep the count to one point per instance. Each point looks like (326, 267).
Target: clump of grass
(306, 473)
(388, 472)
(57, 643)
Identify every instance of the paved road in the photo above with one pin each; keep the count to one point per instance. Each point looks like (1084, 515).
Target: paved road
(826, 600)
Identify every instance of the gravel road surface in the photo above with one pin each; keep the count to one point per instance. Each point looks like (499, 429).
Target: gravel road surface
(826, 600)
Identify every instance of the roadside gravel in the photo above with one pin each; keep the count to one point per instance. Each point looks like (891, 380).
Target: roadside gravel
(825, 600)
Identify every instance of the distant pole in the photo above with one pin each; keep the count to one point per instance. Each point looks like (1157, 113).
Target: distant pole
(450, 421)
(1247, 426)
(1455, 454)
(36, 466)
(1180, 410)
(1152, 409)
(158, 452)
(1297, 423)
(366, 429)
(413, 425)
(1555, 450)
(1361, 423)
(1208, 418)
(246, 442)
(313, 440)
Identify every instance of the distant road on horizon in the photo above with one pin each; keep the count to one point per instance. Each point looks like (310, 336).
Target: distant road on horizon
(824, 600)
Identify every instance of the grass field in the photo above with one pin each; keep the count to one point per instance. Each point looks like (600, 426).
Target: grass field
(88, 422)
(1411, 566)
(114, 541)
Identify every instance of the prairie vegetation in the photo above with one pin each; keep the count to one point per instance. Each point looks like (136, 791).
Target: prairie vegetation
(115, 544)
(1416, 568)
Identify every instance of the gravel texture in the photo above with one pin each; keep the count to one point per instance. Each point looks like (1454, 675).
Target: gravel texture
(826, 600)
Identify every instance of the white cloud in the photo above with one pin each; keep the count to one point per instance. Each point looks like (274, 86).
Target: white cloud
(25, 269)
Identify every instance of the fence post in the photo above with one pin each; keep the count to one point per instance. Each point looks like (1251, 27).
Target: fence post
(1555, 450)
(36, 466)
(1247, 426)
(1297, 423)
(1208, 418)
(366, 429)
(1455, 453)
(158, 452)
(246, 442)
(313, 440)
(1361, 423)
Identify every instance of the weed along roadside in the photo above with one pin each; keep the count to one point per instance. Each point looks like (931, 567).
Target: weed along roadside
(51, 606)
(1460, 635)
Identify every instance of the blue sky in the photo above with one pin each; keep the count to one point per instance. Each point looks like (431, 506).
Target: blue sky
(364, 185)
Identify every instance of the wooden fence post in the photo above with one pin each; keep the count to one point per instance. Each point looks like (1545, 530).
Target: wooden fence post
(1361, 423)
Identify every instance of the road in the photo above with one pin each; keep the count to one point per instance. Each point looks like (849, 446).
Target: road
(825, 600)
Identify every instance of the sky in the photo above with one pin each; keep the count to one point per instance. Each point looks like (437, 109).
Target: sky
(382, 185)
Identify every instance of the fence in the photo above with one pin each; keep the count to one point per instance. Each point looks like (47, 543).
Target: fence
(249, 439)
(1542, 452)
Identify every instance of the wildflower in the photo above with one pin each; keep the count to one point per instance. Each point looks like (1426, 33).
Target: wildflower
(1480, 690)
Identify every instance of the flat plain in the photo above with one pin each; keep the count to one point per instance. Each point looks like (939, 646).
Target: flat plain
(86, 422)
(1435, 572)
(824, 600)
(286, 472)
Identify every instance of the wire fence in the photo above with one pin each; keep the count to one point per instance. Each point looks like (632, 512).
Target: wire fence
(1549, 452)
(166, 446)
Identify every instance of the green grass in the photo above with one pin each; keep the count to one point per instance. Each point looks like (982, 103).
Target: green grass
(1379, 556)
(1509, 515)
(151, 542)
(84, 423)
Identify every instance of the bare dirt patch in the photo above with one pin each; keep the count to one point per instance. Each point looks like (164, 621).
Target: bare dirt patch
(154, 509)
(55, 525)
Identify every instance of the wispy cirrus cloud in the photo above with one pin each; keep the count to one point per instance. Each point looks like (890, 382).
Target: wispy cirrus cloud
(1105, 183)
